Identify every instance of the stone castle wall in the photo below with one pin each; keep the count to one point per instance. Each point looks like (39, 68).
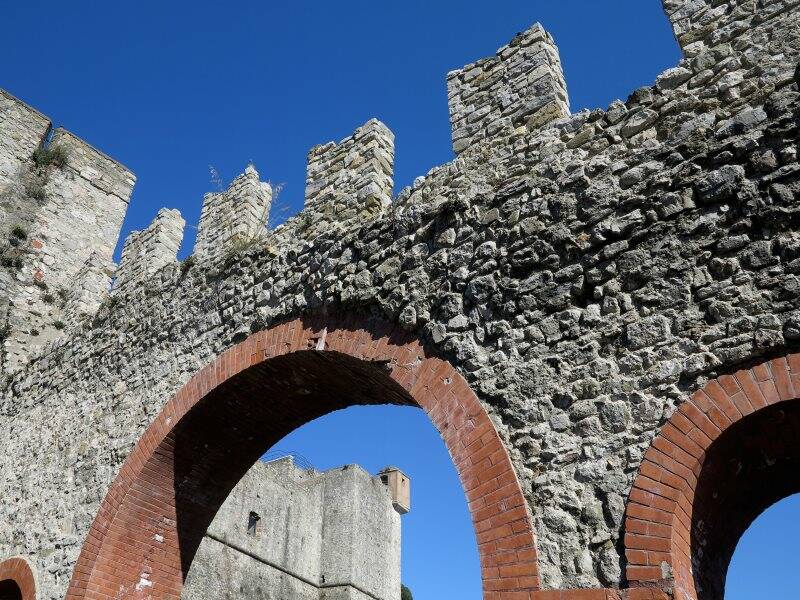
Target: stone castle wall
(59, 225)
(320, 535)
(585, 277)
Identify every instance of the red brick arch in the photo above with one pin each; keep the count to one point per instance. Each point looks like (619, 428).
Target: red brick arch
(150, 523)
(17, 580)
(723, 457)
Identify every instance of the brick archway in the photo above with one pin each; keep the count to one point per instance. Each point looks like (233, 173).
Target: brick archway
(723, 457)
(150, 523)
(16, 580)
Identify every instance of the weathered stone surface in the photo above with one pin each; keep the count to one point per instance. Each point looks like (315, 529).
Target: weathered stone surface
(353, 177)
(233, 220)
(61, 209)
(319, 535)
(585, 277)
(146, 252)
(522, 86)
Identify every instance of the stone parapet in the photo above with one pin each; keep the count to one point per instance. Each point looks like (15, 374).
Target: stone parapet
(147, 251)
(235, 219)
(521, 87)
(353, 174)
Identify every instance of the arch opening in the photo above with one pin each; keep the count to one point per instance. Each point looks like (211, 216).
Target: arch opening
(158, 509)
(17, 581)
(236, 423)
(9, 590)
(722, 458)
(380, 440)
(752, 465)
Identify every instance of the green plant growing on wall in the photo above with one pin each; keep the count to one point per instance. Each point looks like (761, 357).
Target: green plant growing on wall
(304, 221)
(405, 593)
(109, 302)
(43, 159)
(11, 257)
(53, 156)
(34, 187)
(235, 247)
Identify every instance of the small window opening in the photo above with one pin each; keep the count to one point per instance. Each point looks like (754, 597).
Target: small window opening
(253, 524)
(385, 479)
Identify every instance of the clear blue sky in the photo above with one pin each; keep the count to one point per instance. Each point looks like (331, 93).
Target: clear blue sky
(169, 88)
(766, 563)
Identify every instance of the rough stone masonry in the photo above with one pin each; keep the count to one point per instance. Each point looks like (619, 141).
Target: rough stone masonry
(585, 273)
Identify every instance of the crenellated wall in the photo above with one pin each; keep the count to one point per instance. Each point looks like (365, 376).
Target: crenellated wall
(584, 276)
(354, 176)
(150, 250)
(521, 87)
(234, 219)
(700, 24)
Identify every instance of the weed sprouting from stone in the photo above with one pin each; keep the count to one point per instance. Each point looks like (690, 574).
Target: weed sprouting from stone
(53, 156)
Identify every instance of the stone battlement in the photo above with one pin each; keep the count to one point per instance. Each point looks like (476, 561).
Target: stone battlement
(551, 297)
(360, 167)
(522, 86)
(147, 251)
(237, 216)
(515, 94)
(510, 95)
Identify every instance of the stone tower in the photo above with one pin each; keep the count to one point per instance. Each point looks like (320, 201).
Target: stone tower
(288, 532)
